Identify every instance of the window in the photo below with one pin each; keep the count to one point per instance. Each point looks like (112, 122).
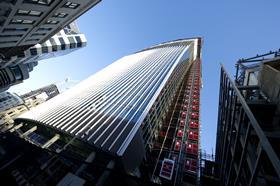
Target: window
(15, 29)
(79, 41)
(72, 42)
(33, 51)
(71, 5)
(7, 42)
(44, 48)
(35, 13)
(60, 15)
(54, 45)
(44, 29)
(27, 22)
(15, 21)
(22, 21)
(38, 34)
(7, 36)
(23, 12)
(28, 13)
(62, 43)
(39, 2)
(29, 40)
(51, 22)
(17, 72)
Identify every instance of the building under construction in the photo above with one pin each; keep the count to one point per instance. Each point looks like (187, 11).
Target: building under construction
(248, 132)
(135, 122)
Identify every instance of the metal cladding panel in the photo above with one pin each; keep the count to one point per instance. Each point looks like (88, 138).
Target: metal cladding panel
(107, 109)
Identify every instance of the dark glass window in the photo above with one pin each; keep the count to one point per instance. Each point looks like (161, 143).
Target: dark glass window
(62, 43)
(15, 29)
(17, 72)
(33, 51)
(11, 36)
(72, 42)
(44, 48)
(44, 29)
(29, 40)
(79, 41)
(38, 34)
(54, 46)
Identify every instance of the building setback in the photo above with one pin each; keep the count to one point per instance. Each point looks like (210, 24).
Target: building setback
(139, 116)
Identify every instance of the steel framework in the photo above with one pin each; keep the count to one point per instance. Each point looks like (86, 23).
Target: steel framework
(246, 149)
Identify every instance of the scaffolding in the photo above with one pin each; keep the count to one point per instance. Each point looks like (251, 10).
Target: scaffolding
(179, 136)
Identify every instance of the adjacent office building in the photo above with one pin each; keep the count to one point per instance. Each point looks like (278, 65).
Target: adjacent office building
(17, 69)
(134, 122)
(248, 131)
(33, 30)
(12, 105)
(47, 92)
(9, 100)
(25, 23)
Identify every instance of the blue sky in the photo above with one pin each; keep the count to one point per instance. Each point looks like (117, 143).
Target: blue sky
(230, 29)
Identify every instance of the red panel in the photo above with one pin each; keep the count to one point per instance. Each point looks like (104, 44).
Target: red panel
(184, 114)
(190, 165)
(196, 92)
(177, 145)
(193, 124)
(192, 135)
(195, 102)
(194, 115)
(192, 148)
(195, 107)
(180, 133)
(195, 96)
(182, 122)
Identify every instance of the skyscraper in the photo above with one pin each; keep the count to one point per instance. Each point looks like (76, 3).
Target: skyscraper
(140, 115)
(16, 69)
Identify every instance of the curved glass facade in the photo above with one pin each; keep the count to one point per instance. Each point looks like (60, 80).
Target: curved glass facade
(107, 109)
